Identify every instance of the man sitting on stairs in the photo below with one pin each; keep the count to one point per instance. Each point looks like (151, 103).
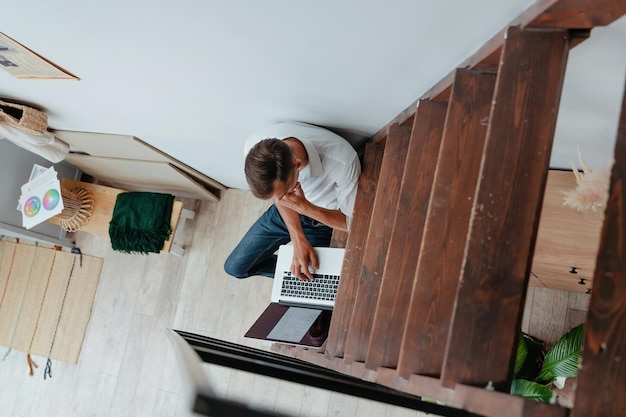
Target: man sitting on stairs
(311, 174)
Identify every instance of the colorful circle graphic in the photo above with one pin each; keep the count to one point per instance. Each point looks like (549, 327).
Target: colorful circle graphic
(51, 199)
(32, 206)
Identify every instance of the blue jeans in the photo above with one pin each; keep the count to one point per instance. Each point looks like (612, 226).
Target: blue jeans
(254, 255)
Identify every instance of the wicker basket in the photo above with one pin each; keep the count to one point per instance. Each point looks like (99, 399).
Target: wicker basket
(78, 206)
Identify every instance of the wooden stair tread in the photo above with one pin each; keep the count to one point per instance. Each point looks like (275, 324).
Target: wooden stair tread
(490, 300)
(375, 251)
(406, 238)
(353, 258)
(447, 222)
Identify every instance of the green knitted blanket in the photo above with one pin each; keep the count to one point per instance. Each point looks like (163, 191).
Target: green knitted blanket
(141, 222)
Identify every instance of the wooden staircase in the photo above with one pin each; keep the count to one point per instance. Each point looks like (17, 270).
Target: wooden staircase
(438, 257)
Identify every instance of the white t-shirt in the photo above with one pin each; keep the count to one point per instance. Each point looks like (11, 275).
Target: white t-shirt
(330, 179)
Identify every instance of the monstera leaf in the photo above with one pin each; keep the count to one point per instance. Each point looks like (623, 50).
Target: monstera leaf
(562, 359)
(532, 391)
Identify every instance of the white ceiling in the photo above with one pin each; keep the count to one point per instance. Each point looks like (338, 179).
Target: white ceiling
(195, 78)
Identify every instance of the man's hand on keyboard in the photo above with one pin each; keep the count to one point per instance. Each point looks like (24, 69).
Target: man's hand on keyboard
(304, 261)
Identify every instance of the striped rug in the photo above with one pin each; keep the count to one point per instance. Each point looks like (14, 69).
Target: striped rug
(40, 302)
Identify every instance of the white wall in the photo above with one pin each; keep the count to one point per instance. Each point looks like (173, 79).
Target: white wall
(592, 97)
(195, 78)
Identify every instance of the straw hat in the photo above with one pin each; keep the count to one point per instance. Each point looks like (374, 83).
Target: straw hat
(23, 118)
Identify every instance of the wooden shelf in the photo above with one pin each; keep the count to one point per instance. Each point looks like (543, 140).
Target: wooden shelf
(104, 203)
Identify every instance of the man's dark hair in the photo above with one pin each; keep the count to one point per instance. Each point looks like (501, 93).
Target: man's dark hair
(269, 160)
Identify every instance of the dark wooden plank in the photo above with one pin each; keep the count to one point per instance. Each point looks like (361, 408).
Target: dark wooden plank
(353, 258)
(375, 253)
(490, 301)
(491, 62)
(406, 237)
(580, 14)
(339, 239)
(535, 409)
(447, 223)
(601, 381)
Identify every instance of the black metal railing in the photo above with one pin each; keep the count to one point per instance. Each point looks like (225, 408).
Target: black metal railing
(244, 358)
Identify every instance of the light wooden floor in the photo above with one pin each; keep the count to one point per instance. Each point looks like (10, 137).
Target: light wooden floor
(127, 366)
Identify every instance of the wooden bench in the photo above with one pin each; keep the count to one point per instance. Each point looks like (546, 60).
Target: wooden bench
(104, 203)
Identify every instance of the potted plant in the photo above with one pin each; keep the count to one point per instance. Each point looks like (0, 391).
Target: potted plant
(537, 373)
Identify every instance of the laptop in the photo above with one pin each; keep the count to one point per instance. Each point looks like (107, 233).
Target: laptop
(320, 292)
(300, 311)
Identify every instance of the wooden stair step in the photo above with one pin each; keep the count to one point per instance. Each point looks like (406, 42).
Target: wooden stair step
(406, 237)
(353, 258)
(490, 301)
(338, 239)
(447, 222)
(375, 252)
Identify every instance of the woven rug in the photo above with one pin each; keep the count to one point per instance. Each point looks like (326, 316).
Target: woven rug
(38, 309)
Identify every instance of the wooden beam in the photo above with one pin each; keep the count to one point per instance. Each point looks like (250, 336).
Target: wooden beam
(447, 222)
(406, 237)
(580, 14)
(602, 382)
(490, 300)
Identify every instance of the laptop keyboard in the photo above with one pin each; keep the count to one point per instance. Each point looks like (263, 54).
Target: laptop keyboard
(324, 287)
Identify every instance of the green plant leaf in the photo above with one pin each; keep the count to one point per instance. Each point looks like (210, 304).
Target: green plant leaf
(534, 359)
(522, 353)
(531, 390)
(562, 359)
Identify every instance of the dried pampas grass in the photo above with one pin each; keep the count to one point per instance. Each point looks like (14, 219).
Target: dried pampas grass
(592, 190)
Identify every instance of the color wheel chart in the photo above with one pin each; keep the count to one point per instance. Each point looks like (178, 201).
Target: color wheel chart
(41, 197)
